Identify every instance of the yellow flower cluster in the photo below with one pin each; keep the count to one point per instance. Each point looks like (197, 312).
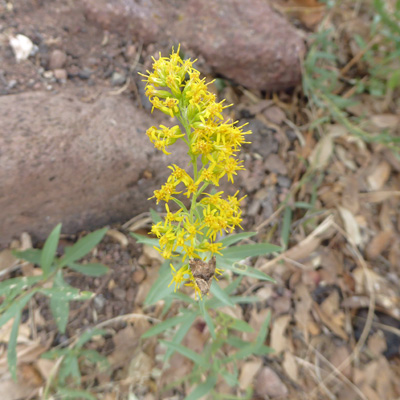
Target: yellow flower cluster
(175, 88)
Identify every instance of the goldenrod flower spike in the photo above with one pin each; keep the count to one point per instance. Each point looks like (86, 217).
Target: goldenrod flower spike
(174, 87)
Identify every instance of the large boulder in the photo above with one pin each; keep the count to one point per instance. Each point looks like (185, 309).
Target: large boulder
(82, 161)
(246, 41)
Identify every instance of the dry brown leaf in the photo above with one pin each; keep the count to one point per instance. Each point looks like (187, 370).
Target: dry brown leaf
(248, 372)
(379, 176)
(350, 199)
(45, 367)
(151, 254)
(394, 255)
(379, 244)
(11, 390)
(303, 303)
(26, 241)
(377, 343)
(7, 260)
(311, 242)
(345, 157)
(322, 153)
(309, 12)
(196, 337)
(269, 384)
(379, 196)
(351, 226)
(385, 121)
(118, 237)
(139, 370)
(289, 364)
(384, 380)
(279, 341)
(332, 320)
(126, 343)
(26, 353)
(339, 356)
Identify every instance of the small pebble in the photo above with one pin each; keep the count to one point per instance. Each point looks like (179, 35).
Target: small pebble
(60, 74)
(99, 302)
(57, 59)
(119, 293)
(85, 73)
(12, 84)
(48, 74)
(284, 181)
(138, 275)
(117, 79)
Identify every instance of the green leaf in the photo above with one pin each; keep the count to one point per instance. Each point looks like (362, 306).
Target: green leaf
(207, 318)
(232, 239)
(245, 351)
(82, 247)
(188, 353)
(145, 240)
(12, 347)
(59, 307)
(180, 204)
(94, 356)
(31, 255)
(230, 378)
(233, 285)
(17, 285)
(15, 308)
(90, 269)
(238, 253)
(262, 334)
(221, 294)
(186, 323)
(287, 221)
(66, 293)
(303, 204)
(49, 250)
(203, 388)
(155, 216)
(69, 368)
(67, 394)
(160, 289)
(55, 353)
(162, 326)
(60, 311)
(88, 335)
(242, 269)
(240, 325)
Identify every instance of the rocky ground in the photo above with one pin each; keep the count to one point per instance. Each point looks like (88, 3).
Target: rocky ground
(72, 149)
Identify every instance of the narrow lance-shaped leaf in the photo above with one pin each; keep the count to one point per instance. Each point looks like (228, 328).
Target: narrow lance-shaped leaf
(49, 250)
(59, 306)
(31, 255)
(82, 247)
(12, 347)
(90, 269)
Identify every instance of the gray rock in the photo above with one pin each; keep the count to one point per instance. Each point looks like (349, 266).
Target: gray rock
(85, 164)
(245, 41)
(144, 19)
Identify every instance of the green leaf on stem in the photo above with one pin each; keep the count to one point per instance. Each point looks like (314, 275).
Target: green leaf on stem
(49, 250)
(82, 247)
